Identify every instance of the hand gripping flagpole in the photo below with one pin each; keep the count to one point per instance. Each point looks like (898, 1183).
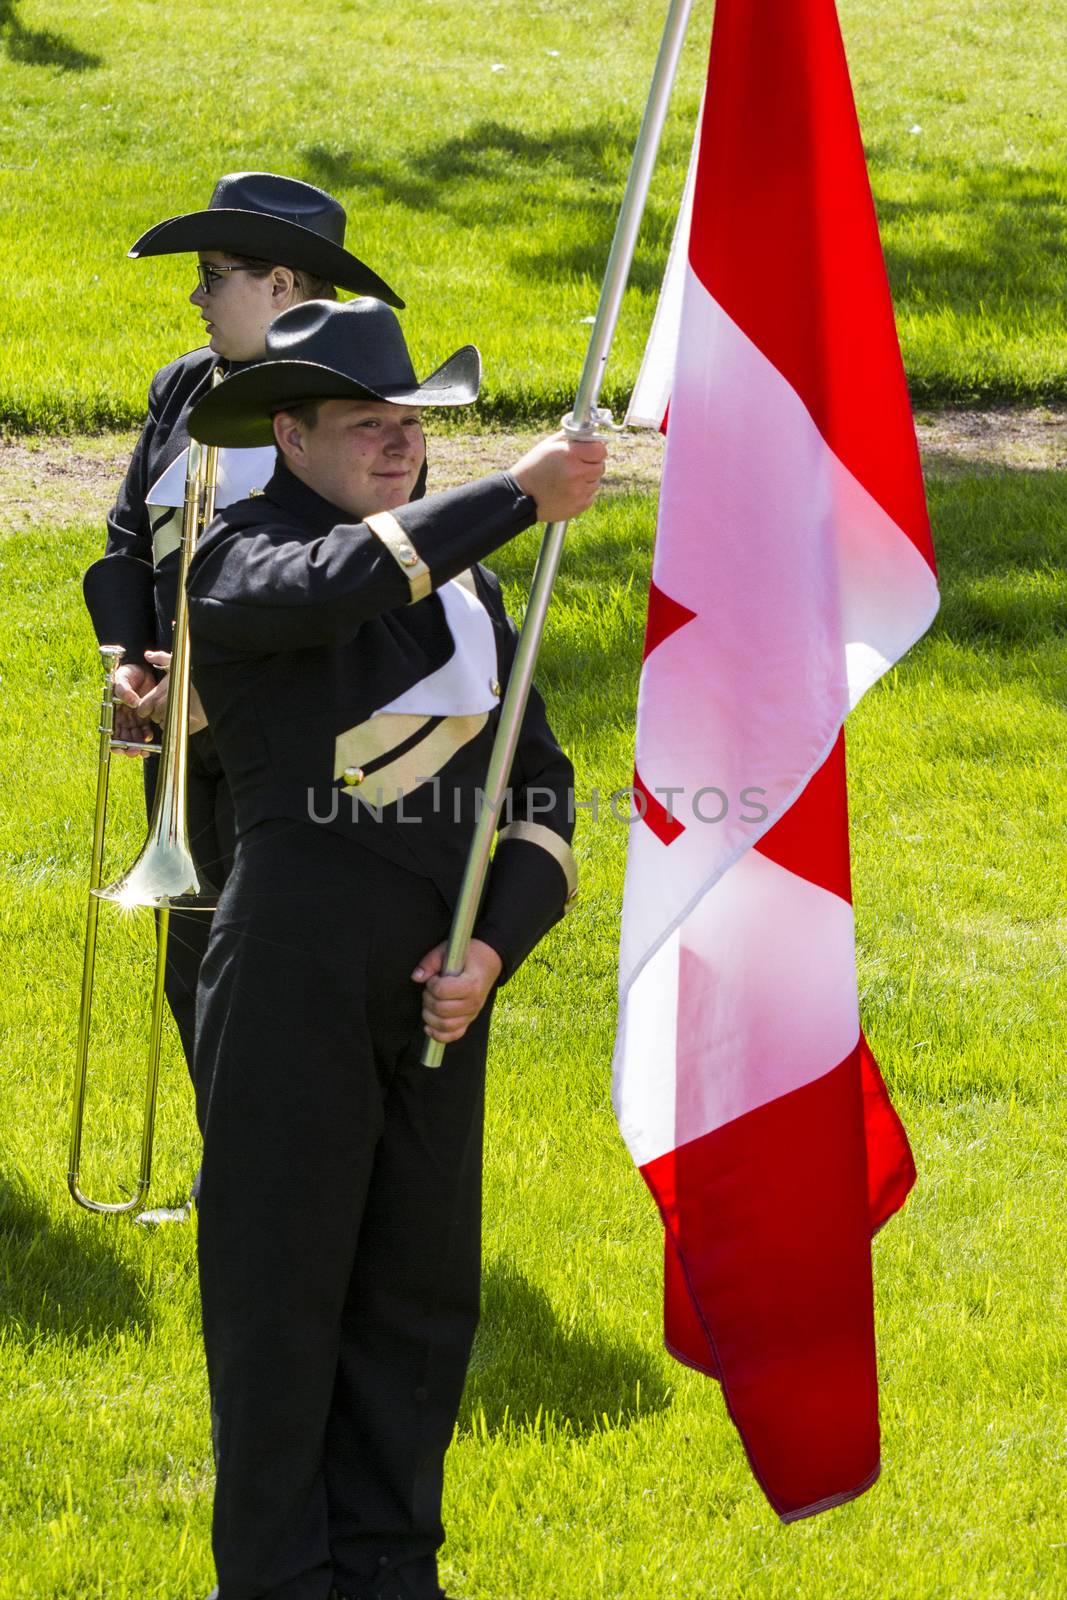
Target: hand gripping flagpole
(581, 423)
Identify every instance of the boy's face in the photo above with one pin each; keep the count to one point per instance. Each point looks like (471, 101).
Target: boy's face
(362, 455)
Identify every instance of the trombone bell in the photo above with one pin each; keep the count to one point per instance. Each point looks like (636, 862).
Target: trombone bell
(163, 873)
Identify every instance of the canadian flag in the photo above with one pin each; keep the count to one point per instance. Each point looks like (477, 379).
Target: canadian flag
(793, 566)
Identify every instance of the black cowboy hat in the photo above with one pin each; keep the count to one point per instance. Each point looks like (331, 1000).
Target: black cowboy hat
(275, 219)
(322, 350)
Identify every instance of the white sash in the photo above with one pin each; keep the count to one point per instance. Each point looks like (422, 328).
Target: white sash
(467, 681)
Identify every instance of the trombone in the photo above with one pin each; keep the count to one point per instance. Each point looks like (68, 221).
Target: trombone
(164, 874)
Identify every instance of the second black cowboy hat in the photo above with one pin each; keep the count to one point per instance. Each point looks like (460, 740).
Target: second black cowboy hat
(275, 219)
(322, 350)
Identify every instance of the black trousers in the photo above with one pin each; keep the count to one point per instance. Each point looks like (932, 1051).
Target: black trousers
(211, 837)
(340, 1219)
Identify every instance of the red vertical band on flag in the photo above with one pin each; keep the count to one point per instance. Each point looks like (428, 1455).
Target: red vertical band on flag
(783, 1321)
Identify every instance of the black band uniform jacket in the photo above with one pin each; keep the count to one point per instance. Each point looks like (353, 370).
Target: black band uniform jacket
(352, 675)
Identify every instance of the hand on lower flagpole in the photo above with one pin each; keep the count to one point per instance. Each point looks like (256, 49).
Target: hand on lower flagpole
(451, 1001)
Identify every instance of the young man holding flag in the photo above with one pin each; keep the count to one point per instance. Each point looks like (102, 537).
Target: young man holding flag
(351, 654)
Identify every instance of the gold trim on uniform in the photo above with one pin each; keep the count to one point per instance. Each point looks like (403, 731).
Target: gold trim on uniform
(369, 741)
(385, 527)
(558, 848)
(167, 535)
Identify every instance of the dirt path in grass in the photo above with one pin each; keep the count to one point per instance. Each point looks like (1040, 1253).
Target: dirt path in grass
(49, 479)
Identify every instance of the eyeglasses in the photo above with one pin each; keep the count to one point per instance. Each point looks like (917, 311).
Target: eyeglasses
(205, 274)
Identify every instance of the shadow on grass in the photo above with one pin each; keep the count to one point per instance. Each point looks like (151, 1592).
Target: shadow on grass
(985, 243)
(529, 1368)
(495, 172)
(59, 1280)
(981, 232)
(1015, 233)
(35, 47)
(1015, 220)
(510, 161)
(1001, 540)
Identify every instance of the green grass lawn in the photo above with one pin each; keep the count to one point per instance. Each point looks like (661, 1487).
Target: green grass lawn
(489, 197)
(587, 1464)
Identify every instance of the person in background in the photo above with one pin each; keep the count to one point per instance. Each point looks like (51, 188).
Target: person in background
(264, 244)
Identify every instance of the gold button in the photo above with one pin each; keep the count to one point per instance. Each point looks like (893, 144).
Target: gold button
(255, 494)
(407, 555)
(353, 775)
(494, 687)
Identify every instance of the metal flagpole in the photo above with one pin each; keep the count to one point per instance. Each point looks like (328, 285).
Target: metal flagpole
(581, 423)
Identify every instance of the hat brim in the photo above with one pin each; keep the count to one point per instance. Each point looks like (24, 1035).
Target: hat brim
(240, 410)
(255, 233)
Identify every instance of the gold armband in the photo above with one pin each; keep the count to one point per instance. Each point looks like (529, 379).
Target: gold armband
(385, 527)
(558, 849)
